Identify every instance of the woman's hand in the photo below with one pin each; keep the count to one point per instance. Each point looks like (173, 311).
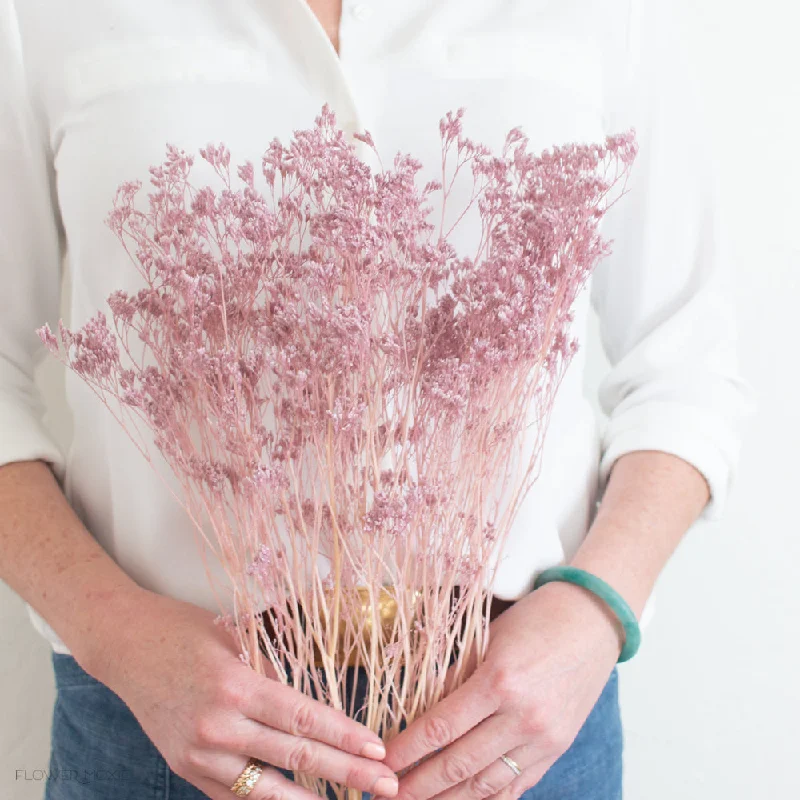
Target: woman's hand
(549, 656)
(207, 712)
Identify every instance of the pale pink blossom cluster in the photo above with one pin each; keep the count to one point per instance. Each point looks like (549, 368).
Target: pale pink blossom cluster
(326, 376)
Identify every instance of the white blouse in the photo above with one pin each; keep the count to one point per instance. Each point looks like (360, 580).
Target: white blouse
(91, 91)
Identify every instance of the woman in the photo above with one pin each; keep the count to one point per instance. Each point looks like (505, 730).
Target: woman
(152, 699)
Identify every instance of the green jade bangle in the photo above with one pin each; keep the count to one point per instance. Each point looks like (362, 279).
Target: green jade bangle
(598, 587)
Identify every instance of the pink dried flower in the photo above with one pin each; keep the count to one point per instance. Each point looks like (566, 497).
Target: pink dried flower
(333, 385)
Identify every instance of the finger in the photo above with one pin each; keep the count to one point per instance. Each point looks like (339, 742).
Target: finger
(309, 756)
(287, 709)
(271, 784)
(447, 721)
(498, 780)
(534, 763)
(461, 761)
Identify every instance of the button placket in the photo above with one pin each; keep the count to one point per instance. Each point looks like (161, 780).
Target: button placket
(353, 39)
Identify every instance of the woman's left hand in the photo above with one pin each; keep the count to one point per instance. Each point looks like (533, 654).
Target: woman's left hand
(549, 657)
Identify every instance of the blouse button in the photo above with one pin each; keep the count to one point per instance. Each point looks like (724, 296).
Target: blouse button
(361, 12)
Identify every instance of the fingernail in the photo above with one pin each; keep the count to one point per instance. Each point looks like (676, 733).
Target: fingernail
(385, 786)
(373, 750)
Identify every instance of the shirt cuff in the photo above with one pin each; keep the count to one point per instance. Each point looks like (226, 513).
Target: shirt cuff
(698, 437)
(23, 437)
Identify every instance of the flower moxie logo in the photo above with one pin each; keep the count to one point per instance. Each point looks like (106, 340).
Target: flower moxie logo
(83, 776)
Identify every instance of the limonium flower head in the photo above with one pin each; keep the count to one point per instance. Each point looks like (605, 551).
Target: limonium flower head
(343, 396)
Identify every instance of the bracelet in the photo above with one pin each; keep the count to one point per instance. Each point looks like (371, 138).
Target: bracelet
(598, 587)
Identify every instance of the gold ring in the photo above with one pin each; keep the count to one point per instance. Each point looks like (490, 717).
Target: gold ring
(512, 764)
(248, 778)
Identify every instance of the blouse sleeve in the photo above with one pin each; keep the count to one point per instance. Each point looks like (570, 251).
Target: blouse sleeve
(30, 256)
(663, 297)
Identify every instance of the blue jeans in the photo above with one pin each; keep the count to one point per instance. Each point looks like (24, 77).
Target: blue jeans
(99, 750)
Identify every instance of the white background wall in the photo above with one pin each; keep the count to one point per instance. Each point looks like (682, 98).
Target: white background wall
(711, 703)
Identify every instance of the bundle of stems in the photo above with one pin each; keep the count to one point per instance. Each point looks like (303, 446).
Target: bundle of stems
(351, 410)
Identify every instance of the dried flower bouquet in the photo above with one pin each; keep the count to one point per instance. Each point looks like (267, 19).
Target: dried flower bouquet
(353, 411)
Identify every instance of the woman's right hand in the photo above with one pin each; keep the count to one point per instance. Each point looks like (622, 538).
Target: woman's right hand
(207, 712)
